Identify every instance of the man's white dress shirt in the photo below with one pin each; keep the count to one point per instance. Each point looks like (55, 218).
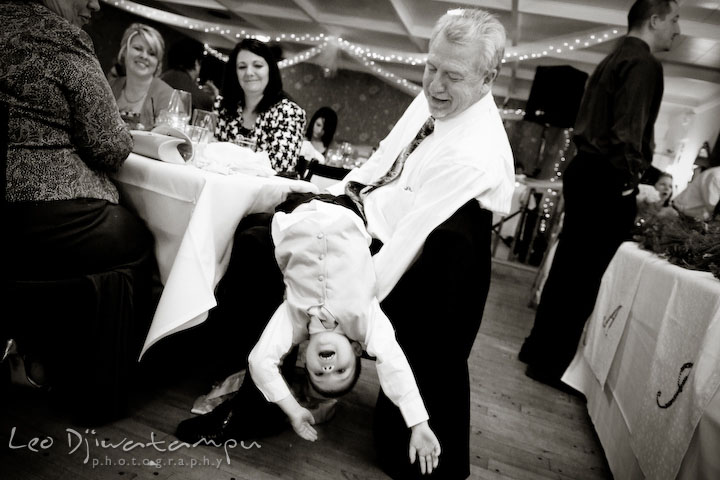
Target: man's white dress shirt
(323, 251)
(467, 156)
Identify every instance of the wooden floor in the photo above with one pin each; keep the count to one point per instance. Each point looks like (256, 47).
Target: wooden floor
(520, 429)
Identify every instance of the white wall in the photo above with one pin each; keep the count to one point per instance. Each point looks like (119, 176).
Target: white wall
(680, 131)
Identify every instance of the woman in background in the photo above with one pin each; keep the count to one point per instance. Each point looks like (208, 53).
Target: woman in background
(652, 199)
(140, 94)
(319, 134)
(664, 187)
(253, 106)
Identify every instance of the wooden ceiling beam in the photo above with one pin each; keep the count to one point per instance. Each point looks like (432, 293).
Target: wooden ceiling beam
(403, 12)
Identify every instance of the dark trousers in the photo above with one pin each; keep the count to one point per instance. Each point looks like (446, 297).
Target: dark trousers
(79, 278)
(436, 309)
(597, 220)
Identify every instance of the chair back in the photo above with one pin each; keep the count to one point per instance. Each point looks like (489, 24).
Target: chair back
(324, 175)
(4, 121)
(4, 142)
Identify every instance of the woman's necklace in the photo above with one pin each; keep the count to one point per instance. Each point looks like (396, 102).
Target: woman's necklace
(132, 102)
(248, 119)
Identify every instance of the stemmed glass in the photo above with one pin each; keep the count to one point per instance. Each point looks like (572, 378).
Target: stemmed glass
(179, 108)
(204, 119)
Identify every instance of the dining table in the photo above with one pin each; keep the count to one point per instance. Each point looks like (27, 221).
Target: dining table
(192, 213)
(648, 364)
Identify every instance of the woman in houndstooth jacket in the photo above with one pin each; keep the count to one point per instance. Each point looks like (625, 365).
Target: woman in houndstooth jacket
(254, 107)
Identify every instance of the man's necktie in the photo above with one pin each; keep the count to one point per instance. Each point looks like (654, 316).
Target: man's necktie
(358, 191)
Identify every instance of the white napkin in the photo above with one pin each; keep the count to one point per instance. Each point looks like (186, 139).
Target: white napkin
(227, 158)
(163, 143)
(218, 394)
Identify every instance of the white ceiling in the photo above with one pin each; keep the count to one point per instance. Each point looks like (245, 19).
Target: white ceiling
(402, 27)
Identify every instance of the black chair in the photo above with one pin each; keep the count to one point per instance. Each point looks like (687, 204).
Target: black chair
(324, 175)
(81, 329)
(301, 167)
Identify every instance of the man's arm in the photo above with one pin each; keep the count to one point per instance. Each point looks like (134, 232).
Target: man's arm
(631, 113)
(449, 187)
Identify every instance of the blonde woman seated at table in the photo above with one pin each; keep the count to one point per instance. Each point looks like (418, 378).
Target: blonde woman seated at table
(319, 134)
(139, 93)
(254, 108)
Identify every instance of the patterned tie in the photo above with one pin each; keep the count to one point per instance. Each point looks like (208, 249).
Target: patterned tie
(358, 191)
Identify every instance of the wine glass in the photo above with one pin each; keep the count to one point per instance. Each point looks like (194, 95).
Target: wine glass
(204, 119)
(179, 108)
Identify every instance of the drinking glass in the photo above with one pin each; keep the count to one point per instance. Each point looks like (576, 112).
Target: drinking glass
(197, 134)
(179, 108)
(204, 119)
(246, 142)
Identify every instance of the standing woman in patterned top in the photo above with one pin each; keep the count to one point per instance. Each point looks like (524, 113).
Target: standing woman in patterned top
(254, 106)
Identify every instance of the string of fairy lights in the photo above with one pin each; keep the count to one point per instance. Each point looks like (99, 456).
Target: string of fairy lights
(369, 57)
(550, 200)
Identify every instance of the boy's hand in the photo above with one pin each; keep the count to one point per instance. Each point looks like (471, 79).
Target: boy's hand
(426, 446)
(302, 421)
(300, 418)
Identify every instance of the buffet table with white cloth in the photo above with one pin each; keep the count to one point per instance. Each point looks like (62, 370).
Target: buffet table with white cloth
(193, 214)
(649, 366)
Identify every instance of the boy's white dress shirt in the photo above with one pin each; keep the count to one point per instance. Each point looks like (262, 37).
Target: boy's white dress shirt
(322, 250)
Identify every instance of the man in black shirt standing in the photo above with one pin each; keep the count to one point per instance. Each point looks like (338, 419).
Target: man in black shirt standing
(614, 138)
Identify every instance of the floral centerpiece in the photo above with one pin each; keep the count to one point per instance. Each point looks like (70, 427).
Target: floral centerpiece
(682, 240)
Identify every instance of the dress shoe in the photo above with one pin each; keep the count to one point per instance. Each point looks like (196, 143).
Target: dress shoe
(229, 420)
(553, 380)
(527, 353)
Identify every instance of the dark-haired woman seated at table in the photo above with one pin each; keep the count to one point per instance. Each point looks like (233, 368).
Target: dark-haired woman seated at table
(66, 228)
(320, 134)
(254, 108)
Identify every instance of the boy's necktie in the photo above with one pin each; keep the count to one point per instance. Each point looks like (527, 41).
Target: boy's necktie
(358, 191)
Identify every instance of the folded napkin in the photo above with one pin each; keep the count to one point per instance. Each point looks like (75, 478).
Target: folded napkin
(163, 143)
(218, 394)
(227, 158)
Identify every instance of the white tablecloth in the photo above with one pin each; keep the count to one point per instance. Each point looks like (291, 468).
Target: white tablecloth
(193, 215)
(649, 365)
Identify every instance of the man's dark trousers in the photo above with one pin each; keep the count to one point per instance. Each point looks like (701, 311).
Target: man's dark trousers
(598, 218)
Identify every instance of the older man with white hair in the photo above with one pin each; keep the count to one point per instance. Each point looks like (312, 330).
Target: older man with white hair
(427, 197)
(434, 222)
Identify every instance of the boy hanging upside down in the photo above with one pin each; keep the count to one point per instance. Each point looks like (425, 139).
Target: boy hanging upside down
(322, 249)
